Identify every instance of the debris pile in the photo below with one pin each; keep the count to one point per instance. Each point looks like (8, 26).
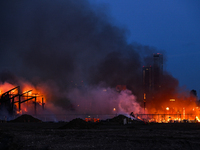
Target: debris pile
(26, 118)
(119, 119)
(78, 124)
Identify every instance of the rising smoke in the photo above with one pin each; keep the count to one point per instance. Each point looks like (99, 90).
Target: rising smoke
(57, 44)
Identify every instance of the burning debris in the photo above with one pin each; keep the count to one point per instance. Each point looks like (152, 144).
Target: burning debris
(13, 99)
(163, 100)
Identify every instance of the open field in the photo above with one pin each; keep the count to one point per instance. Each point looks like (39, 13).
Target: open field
(47, 136)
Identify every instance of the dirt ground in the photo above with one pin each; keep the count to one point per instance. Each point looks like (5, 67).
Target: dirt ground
(48, 136)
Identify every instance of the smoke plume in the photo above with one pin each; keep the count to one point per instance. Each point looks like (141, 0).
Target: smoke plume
(64, 45)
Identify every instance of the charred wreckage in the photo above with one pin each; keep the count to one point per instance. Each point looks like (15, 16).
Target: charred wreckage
(12, 100)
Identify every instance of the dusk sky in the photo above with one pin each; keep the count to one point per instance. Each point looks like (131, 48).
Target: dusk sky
(99, 40)
(169, 25)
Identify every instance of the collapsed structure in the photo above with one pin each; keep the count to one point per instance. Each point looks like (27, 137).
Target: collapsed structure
(13, 99)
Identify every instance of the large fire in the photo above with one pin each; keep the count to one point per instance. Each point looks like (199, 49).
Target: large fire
(179, 109)
(27, 99)
(20, 99)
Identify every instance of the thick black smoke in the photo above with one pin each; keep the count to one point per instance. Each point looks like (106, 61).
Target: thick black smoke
(66, 40)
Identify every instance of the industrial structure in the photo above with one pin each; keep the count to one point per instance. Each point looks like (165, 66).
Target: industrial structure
(152, 77)
(12, 100)
(157, 70)
(147, 79)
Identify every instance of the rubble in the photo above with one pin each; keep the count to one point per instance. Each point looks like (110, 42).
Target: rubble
(26, 118)
(121, 119)
(118, 119)
(78, 124)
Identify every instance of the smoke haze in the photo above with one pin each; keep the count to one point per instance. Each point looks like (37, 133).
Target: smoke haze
(59, 45)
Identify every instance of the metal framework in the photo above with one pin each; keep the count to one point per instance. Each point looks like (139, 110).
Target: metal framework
(9, 98)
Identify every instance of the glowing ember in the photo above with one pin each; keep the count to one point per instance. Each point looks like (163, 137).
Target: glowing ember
(92, 119)
(172, 100)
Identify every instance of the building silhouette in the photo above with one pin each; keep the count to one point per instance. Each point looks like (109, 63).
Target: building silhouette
(152, 77)
(157, 71)
(147, 79)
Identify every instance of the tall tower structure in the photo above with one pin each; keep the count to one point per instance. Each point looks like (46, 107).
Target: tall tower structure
(152, 78)
(157, 70)
(147, 79)
(147, 84)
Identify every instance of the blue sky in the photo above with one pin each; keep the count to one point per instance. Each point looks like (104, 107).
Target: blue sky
(169, 25)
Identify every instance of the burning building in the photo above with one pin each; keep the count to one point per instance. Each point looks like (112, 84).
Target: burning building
(52, 43)
(11, 101)
(163, 100)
